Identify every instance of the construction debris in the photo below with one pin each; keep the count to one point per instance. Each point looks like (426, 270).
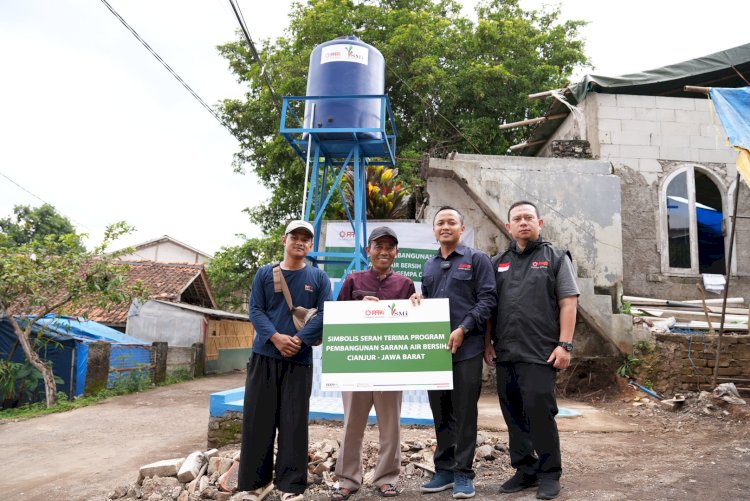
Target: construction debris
(213, 474)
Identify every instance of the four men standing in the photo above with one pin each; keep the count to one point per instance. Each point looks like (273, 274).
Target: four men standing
(518, 310)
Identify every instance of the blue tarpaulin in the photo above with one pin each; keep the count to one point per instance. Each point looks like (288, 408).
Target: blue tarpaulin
(71, 337)
(733, 108)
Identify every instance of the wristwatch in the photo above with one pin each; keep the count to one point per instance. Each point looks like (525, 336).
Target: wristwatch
(463, 328)
(567, 346)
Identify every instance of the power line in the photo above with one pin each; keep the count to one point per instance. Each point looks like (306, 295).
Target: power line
(243, 27)
(169, 68)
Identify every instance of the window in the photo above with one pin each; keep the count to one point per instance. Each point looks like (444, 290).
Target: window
(692, 224)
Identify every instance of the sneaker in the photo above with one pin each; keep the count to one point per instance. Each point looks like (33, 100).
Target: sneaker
(549, 488)
(441, 481)
(463, 488)
(518, 482)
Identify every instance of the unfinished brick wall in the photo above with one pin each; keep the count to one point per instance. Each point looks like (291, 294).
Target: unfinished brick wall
(685, 362)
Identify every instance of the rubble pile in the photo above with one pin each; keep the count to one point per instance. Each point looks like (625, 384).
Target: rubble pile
(213, 474)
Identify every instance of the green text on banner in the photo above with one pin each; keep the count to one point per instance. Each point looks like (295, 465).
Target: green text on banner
(386, 345)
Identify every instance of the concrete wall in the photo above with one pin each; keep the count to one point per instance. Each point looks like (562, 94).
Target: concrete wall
(647, 138)
(154, 321)
(167, 252)
(579, 201)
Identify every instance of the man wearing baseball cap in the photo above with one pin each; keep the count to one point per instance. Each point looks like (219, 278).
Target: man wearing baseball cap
(379, 282)
(280, 372)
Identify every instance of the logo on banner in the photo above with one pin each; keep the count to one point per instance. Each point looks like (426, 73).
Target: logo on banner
(395, 312)
(345, 54)
(502, 267)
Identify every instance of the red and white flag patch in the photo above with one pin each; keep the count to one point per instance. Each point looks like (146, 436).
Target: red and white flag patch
(501, 267)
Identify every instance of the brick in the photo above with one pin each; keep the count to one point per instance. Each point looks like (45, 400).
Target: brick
(718, 156)
(638, 151)
(165, 468)
(684, 154)
(616, 112)
(701, 104)
(665, 115)
(623, 161)
(606, 99)
(625, 100)
(191, 467)
(649, 165)
(705, 143)
(610, 125)
(609, 150)
(631, 138)
(649, 126)
(675, 103)
(646, 114)
(689, 116)
(671, 141)
(680, 129)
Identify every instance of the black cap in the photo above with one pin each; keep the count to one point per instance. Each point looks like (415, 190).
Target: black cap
(382, 231)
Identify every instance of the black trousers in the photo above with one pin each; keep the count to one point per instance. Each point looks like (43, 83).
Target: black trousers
(455, 415)
(527, 399)
(277, 397)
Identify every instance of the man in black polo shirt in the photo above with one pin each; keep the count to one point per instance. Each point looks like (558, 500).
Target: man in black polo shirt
(531, 341)
(464, 276)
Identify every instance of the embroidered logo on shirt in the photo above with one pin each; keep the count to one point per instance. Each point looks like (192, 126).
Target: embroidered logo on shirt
(464, 266)
(308, 287)
(540, 264)
(501, 267)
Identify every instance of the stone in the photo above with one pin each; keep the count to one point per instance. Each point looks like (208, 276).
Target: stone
(326, 465)
(191, 467)
(214, 464)
(224, 465)
(410, 469)
(176, 492)
(119, 492)
(203, 483)
(228, 481)
(159, 485)
(222, 496)
(184, 496)
(484, 452)
(165, 468)
(211, 453)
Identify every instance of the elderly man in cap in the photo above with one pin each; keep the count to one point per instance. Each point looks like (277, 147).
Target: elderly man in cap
(379, 282)
(280, 372)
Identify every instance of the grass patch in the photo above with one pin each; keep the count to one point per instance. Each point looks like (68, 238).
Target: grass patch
(135, 382)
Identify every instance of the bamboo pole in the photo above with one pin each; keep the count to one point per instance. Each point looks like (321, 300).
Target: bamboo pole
(523, 145)
(699, 90)
(546, 93)
(532, 121)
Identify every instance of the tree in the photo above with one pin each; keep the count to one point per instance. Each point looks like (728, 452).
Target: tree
(232, 270)
(451, 81)
(386, 197)
(54, 275)
(34, 224)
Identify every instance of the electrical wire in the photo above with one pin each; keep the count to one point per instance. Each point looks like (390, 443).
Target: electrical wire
(241, 20)
(168, 68)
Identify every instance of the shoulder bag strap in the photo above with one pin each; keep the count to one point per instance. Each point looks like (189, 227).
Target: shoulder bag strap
(279, 285)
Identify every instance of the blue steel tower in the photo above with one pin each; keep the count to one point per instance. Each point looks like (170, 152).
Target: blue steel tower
(347, 124)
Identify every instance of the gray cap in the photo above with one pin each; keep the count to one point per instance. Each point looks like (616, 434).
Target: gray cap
(299, 225)
(382, 231)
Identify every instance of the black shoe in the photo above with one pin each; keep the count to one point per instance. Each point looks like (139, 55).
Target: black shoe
(518, 482)
(549, 488)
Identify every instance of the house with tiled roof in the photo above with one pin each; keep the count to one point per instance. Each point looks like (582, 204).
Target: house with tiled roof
(167, 250)
(174, 282)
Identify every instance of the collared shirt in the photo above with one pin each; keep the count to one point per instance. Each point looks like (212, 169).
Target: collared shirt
(368, 283)
(466, 278)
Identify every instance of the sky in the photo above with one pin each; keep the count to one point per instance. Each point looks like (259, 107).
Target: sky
(93, 124)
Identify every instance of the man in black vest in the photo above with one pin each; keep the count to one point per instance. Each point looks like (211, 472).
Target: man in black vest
(530, 341)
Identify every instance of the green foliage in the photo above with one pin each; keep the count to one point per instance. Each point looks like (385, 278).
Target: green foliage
(628, 366)
(178, 375)
(34, 225)
(131, 382)
(451, 81)
(54, 275)
(19, 381)
(642, 347)
(626, 308)
(232, 270)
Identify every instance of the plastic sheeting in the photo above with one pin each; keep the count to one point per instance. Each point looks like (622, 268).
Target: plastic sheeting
(733, 108)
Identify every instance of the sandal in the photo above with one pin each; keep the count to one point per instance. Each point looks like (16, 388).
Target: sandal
(258, 494)
(342, 493)
(388, 490)
(292, 496)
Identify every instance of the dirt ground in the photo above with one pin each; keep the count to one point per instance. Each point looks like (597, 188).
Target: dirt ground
(701, 452)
